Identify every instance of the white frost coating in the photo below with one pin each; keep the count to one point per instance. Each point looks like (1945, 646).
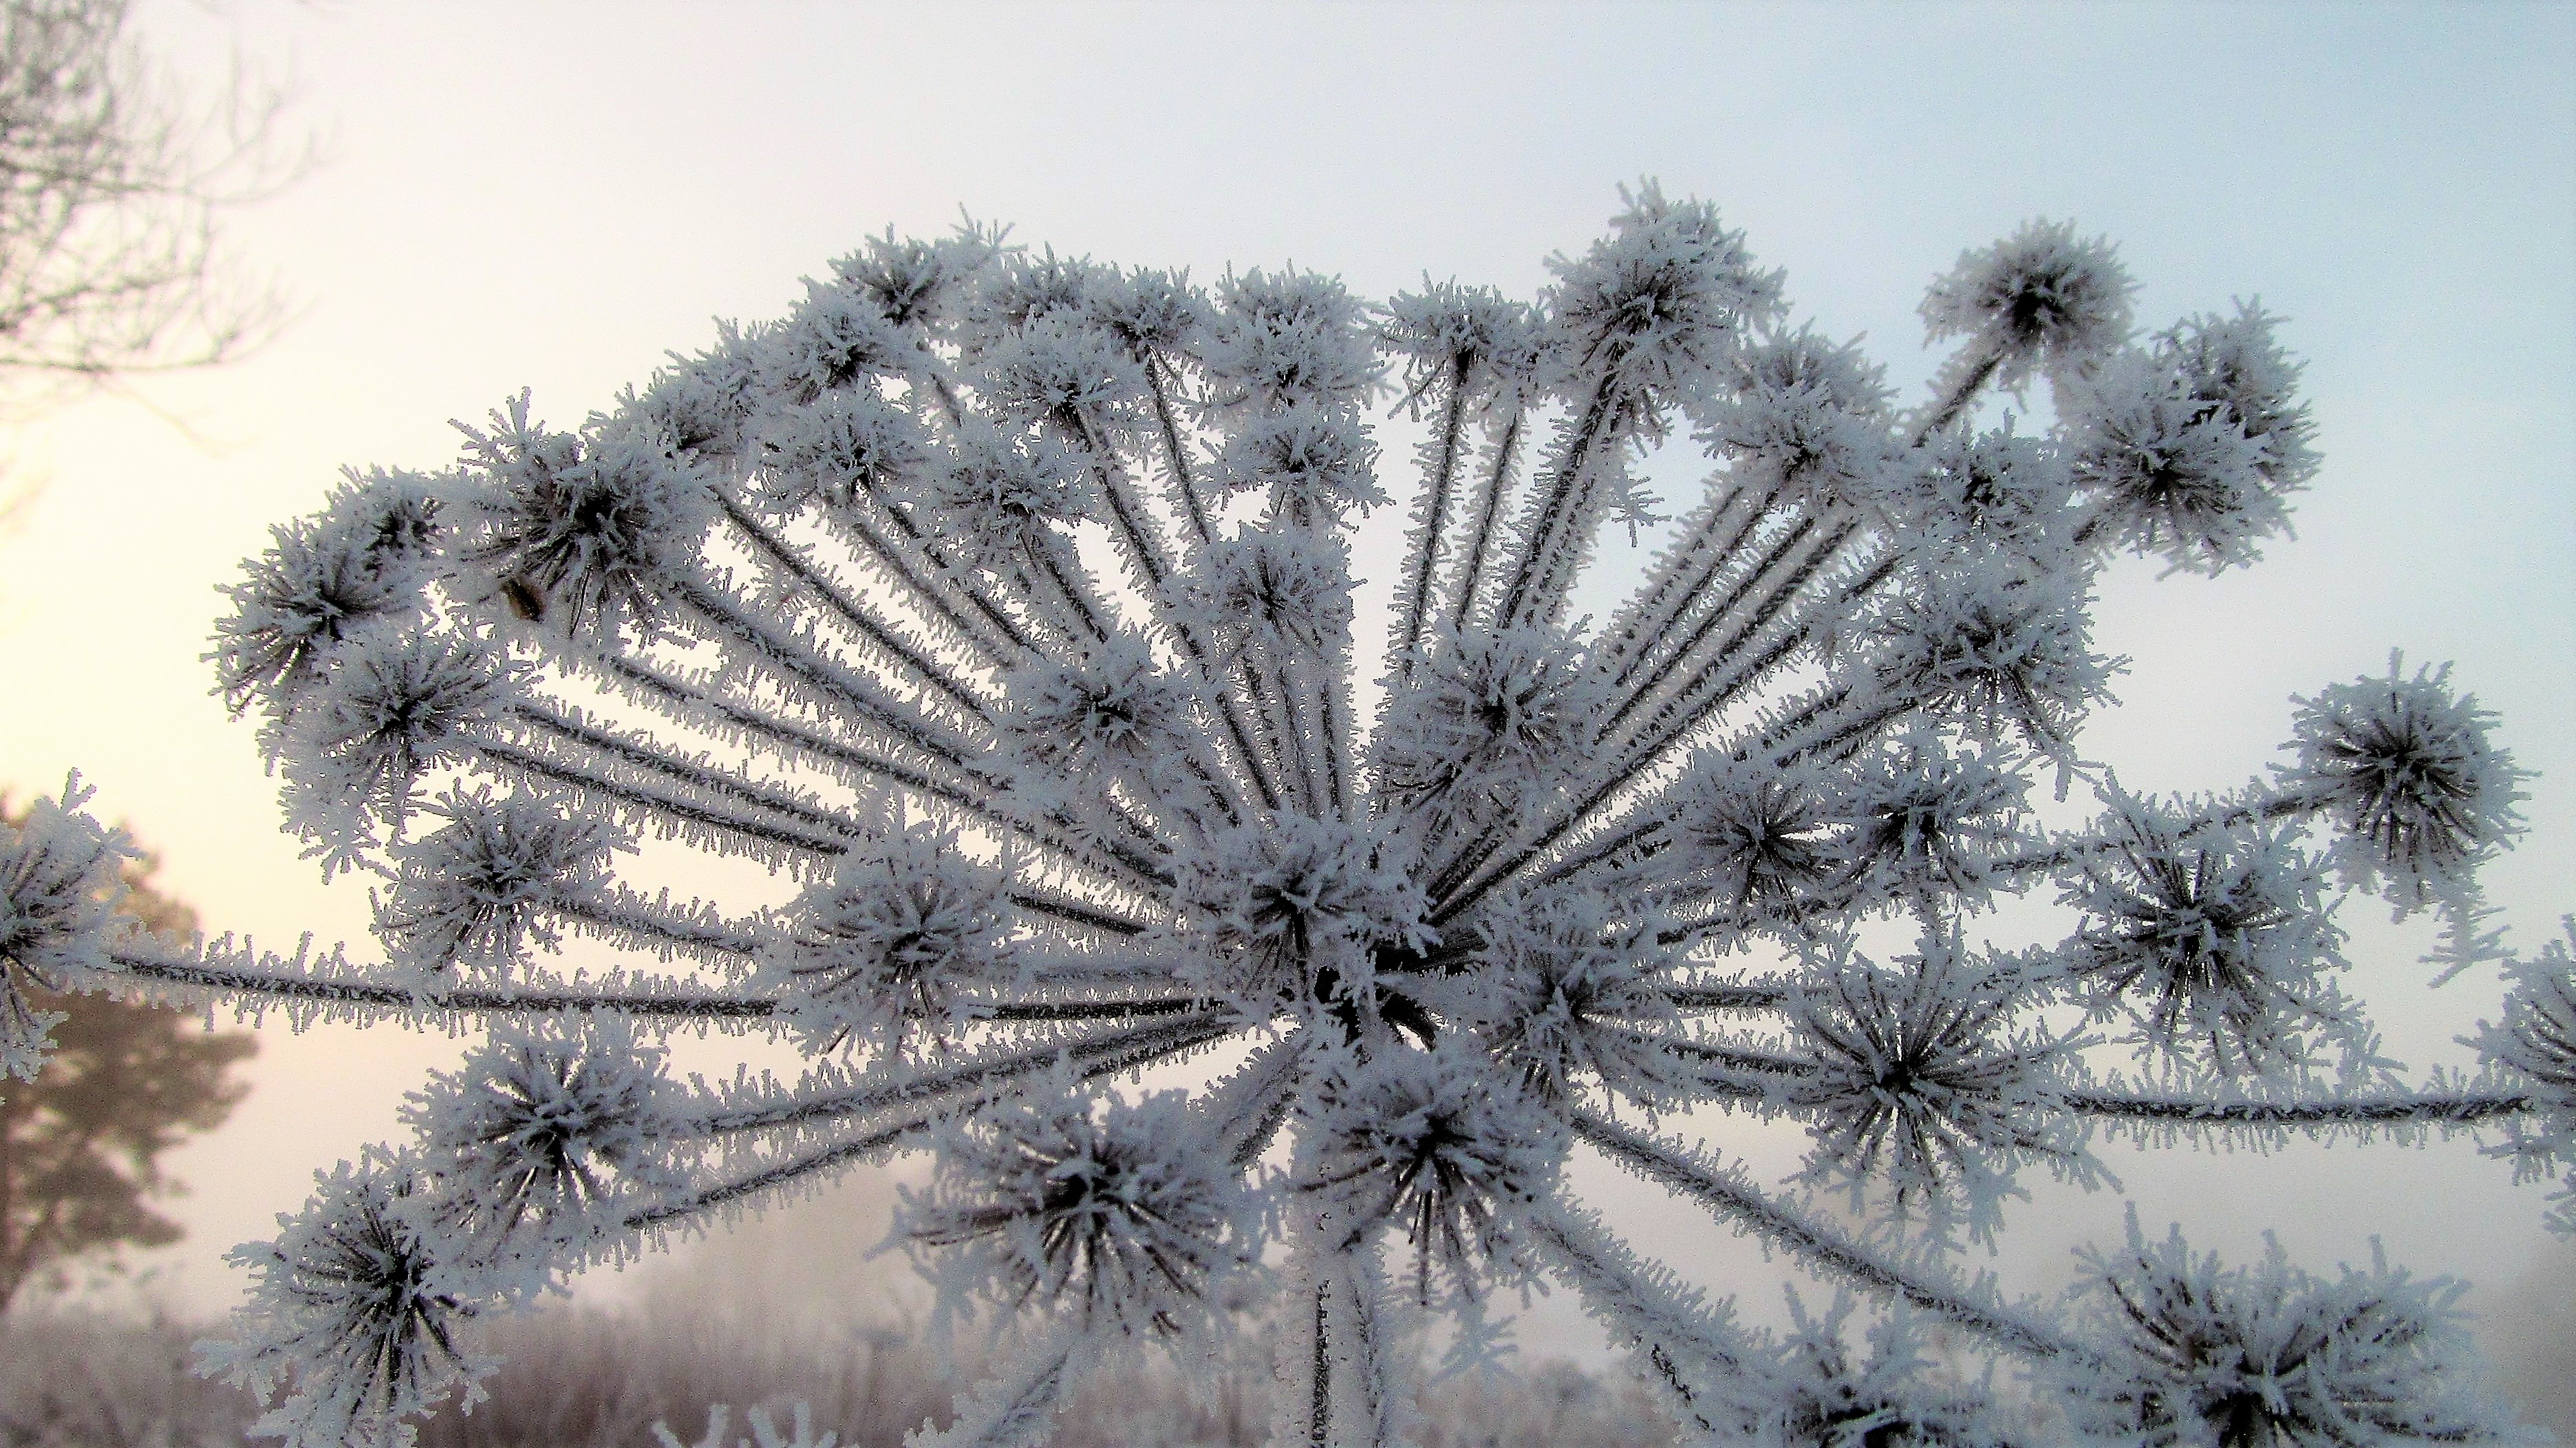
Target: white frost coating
(1809, 414)
(888, 949)
(1000, 604)
(1114, 714)
(353, 1320)
(1279, 595)
(996, 503)
(1297, 914)
(59, 887)
(2194, 1354)
(353, 567)
(393, 707)
(1993, 644)
(1437, 1145)
(1759, 838)
(575, 528)
(1281, 338)
(1312, 463)
(1123, 1217)
(2535, 1046)
(1928, 820)
(1489, 718)
(544, 1138)
(2039, 302)
(1924, 1087)
(1660, 301)
(1998, 489)
(480, 889)
(2167, 472)
(2217, 939)
(1568, 991)
(2403, 764)
(845, 446)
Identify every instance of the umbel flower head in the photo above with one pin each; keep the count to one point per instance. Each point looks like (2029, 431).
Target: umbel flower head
(545, 1132)
(59, 885)
(2534, 1049)
(1922, 1087)
(1120, 1216)
(893, 942)
(2038, 301)
(350, 568)
(986, 640)
(354, 1319)
(2197, 1354)
(2216, 937)
(2404, 765)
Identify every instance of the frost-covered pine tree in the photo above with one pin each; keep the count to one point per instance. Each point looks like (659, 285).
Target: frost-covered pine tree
(998, 607)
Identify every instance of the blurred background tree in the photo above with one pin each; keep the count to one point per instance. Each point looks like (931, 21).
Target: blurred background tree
(80, 1145)
(113, 179)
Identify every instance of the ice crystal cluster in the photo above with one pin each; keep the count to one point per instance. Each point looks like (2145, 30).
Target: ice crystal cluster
(998, 609)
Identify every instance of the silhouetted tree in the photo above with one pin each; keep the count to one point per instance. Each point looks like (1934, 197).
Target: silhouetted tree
(80, 1145)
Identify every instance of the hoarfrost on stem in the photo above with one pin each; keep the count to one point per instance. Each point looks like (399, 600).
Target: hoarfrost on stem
(999, 604)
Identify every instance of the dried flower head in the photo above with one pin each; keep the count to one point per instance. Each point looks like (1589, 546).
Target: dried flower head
(1000, 606)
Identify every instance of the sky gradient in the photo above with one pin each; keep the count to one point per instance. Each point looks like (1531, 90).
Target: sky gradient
(552, 197)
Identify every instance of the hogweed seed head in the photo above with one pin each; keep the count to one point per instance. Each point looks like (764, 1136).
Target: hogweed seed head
(356, 565)
(2163, 470)
(1472, 339)
(1116, 713)
(579, 531)
(915, 283)
(1154, 313)
(2404, 766)
(893, 944)
(1285, 337)
(2534, 1046)
(1983, 639)
(59, 888)
(477, 890)
(1660, 303)
(2218, 938)
(1434, 1145)
(1928, 820)
(1298, 912)
(835, 450)
(1490, 715)
(1805, 417)
(1997, 490)
(1313, 463)
(548, 1133)
(394, 706)
(1001, 604)
(1923, 1084)
(1761, 836)
(1567, 993)
(2190, 1353)
(837, 339)
(1282, 593)
(1123, 1216)
(2038, 302)
(354, 1319)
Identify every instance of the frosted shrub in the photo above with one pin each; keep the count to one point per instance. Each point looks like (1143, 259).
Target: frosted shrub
(1000, 605)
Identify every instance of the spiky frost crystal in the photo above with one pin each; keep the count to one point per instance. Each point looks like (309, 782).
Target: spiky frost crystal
(1001, 605)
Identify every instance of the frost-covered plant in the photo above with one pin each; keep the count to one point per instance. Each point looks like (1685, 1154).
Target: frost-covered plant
(59, 887)
(2199, 1355)
(1000, 606)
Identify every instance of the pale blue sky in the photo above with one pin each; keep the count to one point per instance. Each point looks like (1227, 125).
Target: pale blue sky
(552, 196)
